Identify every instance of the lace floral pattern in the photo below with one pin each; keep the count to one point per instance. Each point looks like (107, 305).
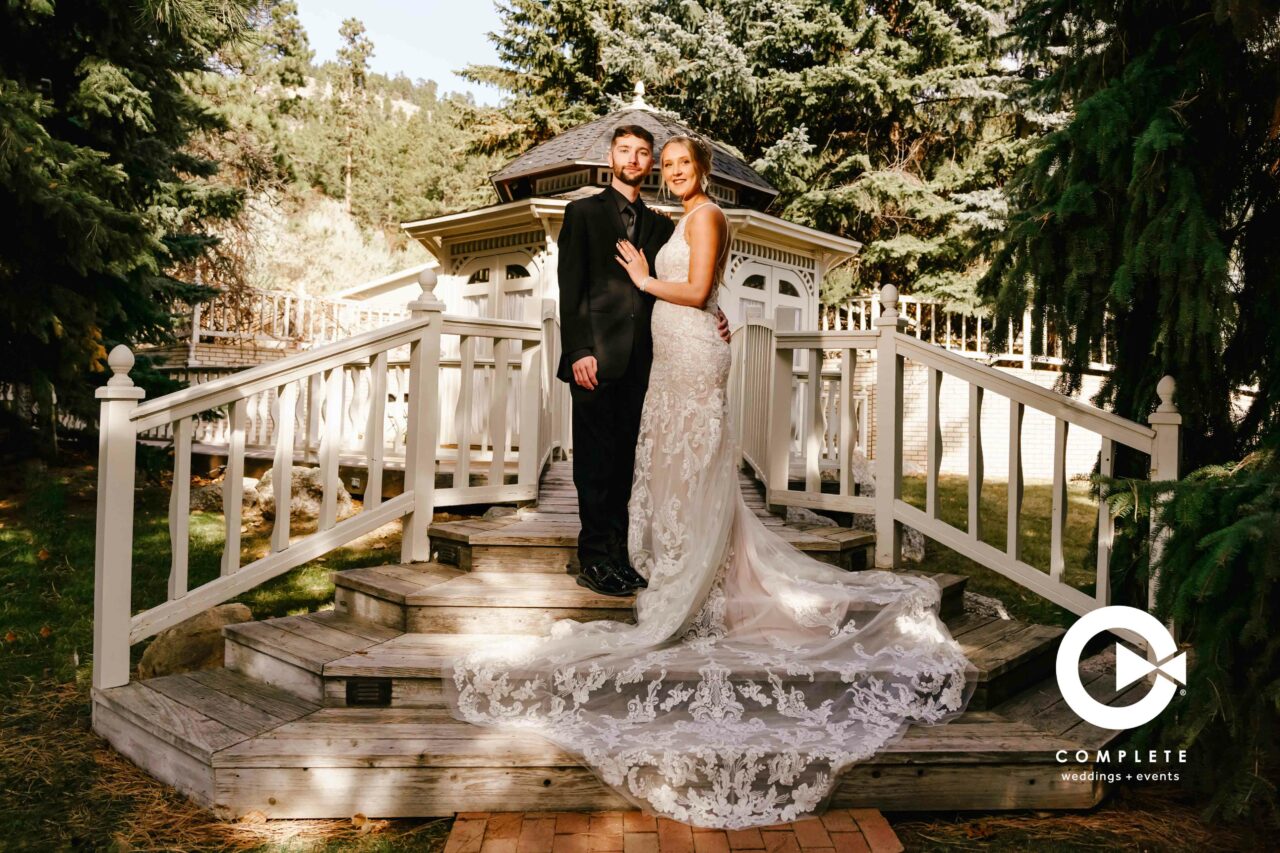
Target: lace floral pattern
(754, 674)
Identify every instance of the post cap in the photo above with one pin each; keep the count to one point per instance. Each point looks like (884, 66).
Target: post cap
(1165, 389)
(120, 361)
(427, 281)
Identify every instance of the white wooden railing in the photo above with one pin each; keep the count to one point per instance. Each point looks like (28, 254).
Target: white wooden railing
(322, 374)
(764, 374)
(968, 333)
(280, 317)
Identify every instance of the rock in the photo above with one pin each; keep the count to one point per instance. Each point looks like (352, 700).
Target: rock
(193, 644)
(803, 515)
(209, 498)
(913, 549)
(498, 512)
(308, 493)
(984, 605)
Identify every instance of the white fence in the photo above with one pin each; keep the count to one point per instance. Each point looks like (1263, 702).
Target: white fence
(765, 373)
(822, 422)
(279, 317)
(968, 333)
(323, 377)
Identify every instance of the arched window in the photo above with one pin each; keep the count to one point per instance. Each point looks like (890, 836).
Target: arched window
(786, 288)
(517, 271)
(480, 276)
(755, 282)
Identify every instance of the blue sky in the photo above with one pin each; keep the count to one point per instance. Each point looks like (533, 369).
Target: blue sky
(428, 39)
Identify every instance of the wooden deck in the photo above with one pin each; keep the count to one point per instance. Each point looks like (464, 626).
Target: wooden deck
(332, 713)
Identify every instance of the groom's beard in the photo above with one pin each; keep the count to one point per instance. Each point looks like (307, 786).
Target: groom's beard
(630, 180)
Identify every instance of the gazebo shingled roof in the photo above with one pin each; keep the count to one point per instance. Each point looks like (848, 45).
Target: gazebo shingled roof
(588, 145)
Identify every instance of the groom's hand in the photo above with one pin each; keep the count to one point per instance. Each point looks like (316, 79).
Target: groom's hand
(722, 326)
(584, 372)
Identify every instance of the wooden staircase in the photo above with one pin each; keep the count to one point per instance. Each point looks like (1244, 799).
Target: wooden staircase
(332, 713)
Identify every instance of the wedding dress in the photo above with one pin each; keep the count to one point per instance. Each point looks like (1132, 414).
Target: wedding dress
(754, 674)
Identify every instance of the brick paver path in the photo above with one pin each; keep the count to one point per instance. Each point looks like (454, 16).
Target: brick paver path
(837, 831)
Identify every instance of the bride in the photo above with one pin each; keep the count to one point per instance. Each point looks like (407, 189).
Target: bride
(754, 674)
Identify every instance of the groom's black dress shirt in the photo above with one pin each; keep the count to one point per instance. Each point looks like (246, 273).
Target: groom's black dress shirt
(602, 313)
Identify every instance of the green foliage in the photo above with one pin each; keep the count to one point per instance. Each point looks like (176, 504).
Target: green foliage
(103, 195)
(887, 123)
(1149, 215)
(1220, 584)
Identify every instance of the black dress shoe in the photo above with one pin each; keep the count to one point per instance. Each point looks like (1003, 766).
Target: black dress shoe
(626, 572)
(602, 577)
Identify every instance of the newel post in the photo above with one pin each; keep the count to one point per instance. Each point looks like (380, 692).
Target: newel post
(888, 429)
(423, 432)
(1165, 453)
(113, 551)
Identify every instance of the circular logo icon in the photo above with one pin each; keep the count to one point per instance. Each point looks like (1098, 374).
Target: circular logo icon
(1171, 667)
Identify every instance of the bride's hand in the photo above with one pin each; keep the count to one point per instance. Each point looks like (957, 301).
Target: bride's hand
(633, 261)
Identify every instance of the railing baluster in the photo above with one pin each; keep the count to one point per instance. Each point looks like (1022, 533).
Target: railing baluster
(423, 429)
(530, 458)
(462, 415)
(498, 413)
(375, 444)
(180, 508)
(933, 435)
(313, 416)
(329, 446)
(889, 366)
(813, 441)
(779, 438)
(848, 421)
(975, 461)
(1058, 521)
(282, 465)
(1013, 529)
(233, 488)
(1106, 524)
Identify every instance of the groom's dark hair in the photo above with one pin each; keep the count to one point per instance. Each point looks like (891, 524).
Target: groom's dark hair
(631, 130)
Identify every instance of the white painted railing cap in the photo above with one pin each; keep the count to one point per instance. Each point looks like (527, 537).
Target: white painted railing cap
(1167, 411)
(427, 301)
(120, 386)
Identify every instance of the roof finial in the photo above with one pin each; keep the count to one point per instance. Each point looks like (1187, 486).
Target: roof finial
(638, 102)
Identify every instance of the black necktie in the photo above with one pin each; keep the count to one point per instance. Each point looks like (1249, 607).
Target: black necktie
(630, 218)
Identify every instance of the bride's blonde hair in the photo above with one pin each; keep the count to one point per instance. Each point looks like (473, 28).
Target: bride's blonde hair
(700, 152)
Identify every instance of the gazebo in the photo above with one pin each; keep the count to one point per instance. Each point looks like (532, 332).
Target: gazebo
(500, 261)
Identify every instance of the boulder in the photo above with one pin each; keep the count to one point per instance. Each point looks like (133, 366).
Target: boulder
(208, 498)
(308, 493)
(803, 515)
(860, 466)
(193, 644)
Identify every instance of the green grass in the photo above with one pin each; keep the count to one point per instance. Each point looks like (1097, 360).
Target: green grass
(1037, 501)
(63, 788)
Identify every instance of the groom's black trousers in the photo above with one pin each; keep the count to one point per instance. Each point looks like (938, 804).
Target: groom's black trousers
(606, 423)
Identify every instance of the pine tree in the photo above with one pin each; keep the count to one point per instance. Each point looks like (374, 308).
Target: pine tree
(101, 193)
(1149, 217)
(549, 54)
(353, 59)
(884, 122)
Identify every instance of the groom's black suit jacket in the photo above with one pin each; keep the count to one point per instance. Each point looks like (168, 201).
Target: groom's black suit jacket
(602, 313)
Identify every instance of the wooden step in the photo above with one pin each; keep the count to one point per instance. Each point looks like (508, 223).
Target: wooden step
(290, 653)
(1004, 654)
(260, 749)
(173, 726)
(445, 600)
(430, 598)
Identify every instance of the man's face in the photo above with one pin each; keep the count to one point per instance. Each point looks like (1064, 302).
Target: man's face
(631, 158)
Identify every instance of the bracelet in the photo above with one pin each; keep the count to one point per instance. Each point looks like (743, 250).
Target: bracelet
(644, 283)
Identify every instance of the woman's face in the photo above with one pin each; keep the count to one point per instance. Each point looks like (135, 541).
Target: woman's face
(679, 170)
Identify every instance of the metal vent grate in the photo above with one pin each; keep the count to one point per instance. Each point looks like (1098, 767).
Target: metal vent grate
(368, 692)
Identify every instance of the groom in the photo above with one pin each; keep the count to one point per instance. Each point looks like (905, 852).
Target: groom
(607, 350)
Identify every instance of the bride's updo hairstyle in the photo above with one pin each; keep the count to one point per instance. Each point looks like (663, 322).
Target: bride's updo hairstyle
(699, 151)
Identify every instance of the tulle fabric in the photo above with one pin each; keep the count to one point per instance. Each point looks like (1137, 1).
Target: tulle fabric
(754, 674)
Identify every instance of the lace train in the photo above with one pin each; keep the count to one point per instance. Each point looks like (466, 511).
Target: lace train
(754, 674)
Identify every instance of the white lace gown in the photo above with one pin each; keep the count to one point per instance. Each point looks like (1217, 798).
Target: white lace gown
(754, 674)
